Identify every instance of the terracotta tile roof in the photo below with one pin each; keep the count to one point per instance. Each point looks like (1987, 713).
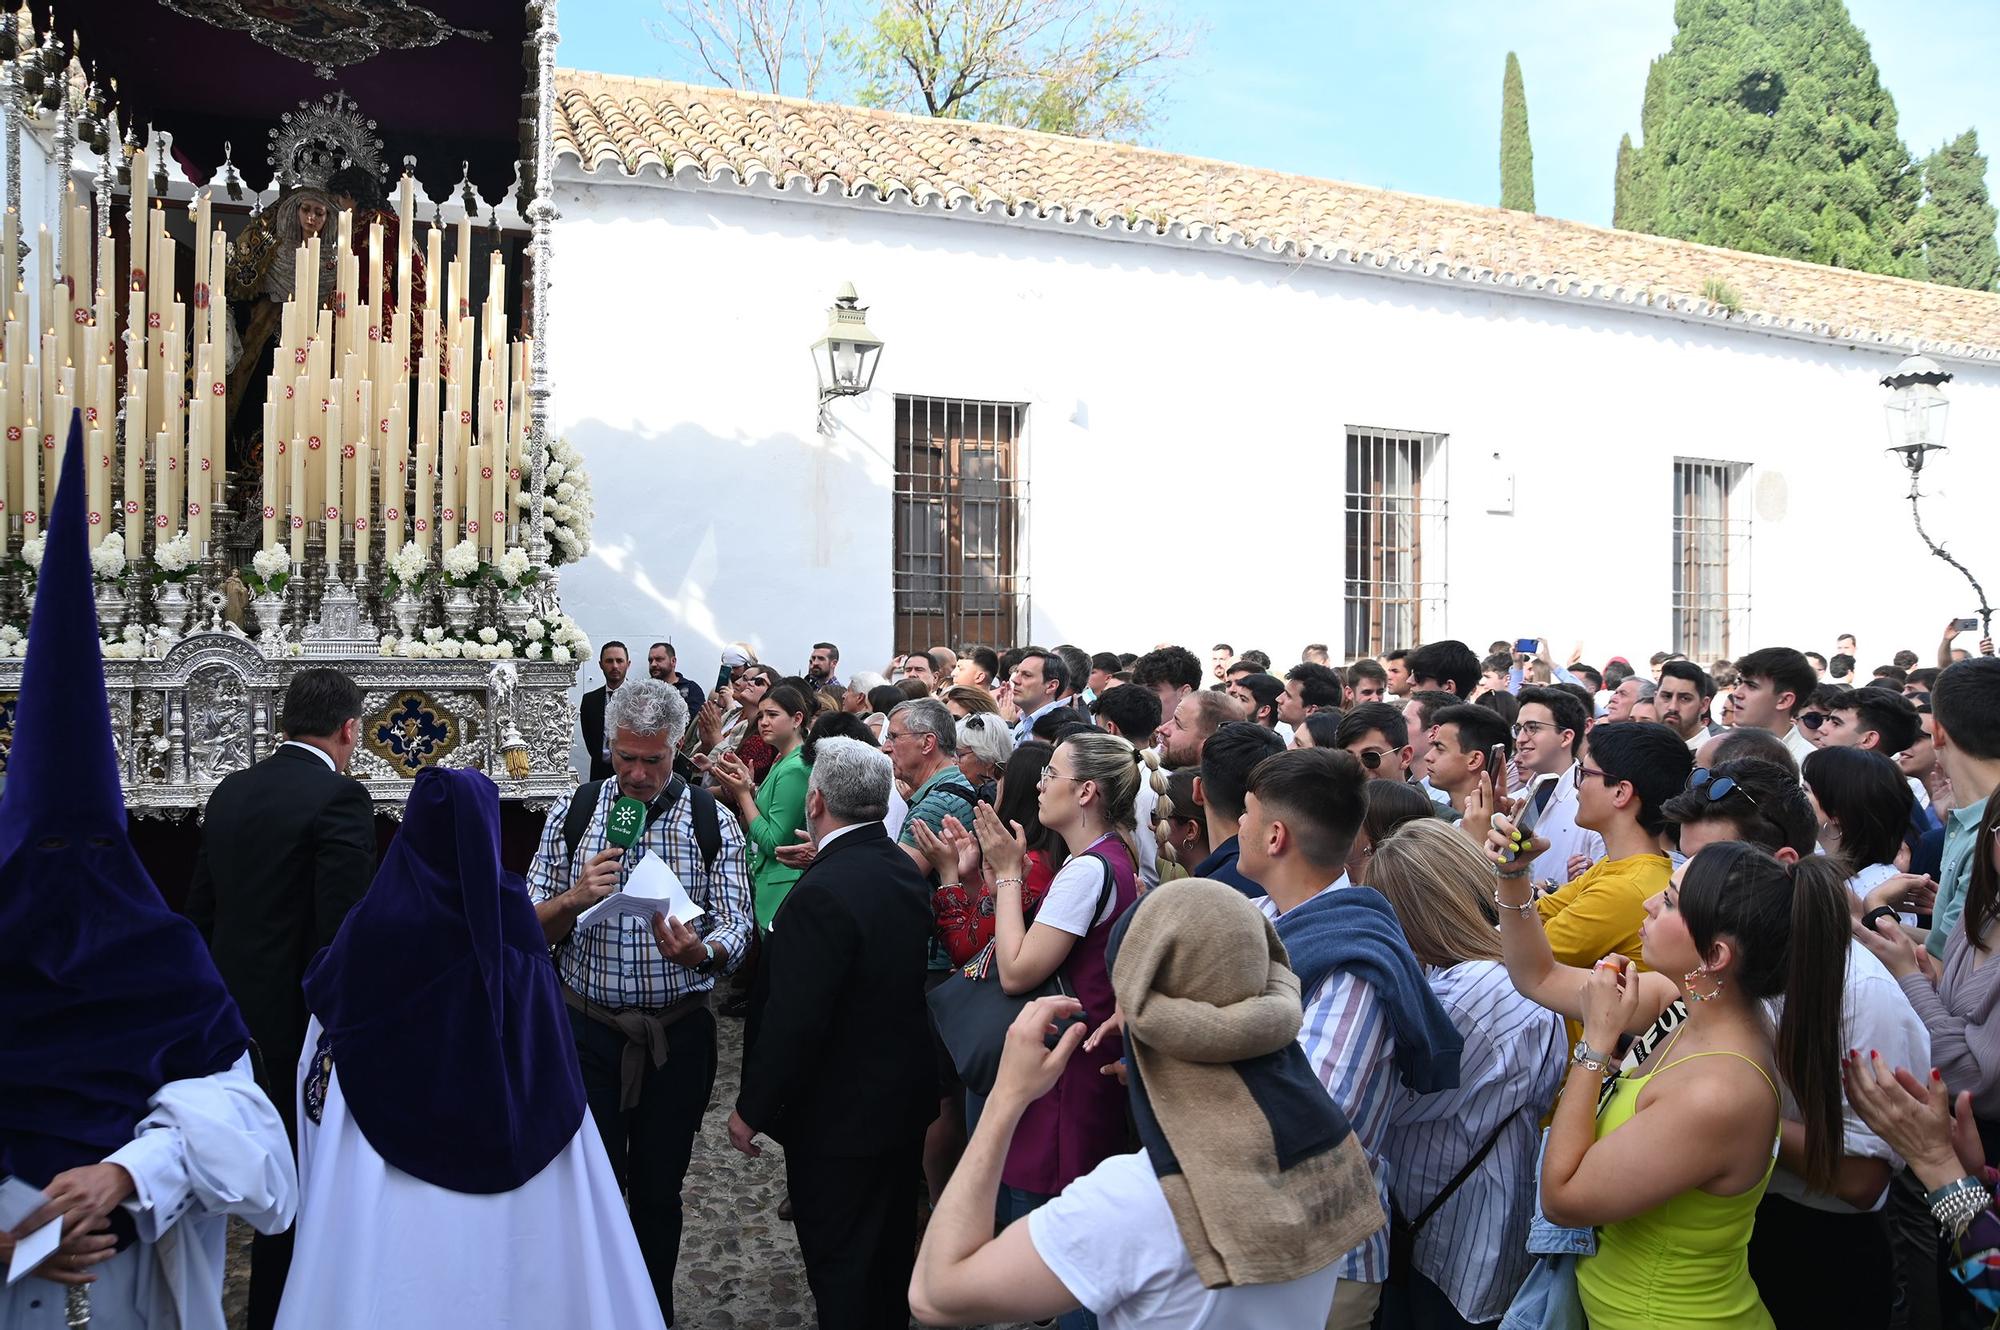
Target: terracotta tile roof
(695, 135)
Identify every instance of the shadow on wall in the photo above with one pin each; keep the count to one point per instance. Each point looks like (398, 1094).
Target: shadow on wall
(704, 539)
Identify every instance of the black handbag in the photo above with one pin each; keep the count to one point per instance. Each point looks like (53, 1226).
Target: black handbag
(972, 1011)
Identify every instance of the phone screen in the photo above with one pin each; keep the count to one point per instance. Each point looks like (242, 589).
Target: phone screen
(1967, 625)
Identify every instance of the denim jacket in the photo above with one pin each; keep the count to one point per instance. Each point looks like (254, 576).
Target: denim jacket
(1548, 1299)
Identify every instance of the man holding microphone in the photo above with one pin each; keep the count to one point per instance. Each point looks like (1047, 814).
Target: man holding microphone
(638, 995)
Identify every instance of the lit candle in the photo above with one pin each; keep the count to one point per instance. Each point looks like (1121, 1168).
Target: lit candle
(135, 467)
(375, 285)
(31, 476)
(448, 470)
(97, 493)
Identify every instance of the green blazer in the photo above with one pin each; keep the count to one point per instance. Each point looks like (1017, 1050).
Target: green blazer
(781, 813)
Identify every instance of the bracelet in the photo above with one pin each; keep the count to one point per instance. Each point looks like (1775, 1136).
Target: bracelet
(999, 882)
(1956, 1204)
(1525, 908)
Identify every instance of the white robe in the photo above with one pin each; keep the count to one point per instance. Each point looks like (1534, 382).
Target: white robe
(378, 1249)
(208, 1148)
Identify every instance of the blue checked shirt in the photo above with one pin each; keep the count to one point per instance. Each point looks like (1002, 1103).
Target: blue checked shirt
(615, 962)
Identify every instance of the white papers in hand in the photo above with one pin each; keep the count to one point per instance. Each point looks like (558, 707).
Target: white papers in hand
(18, 1200)
(650, 888)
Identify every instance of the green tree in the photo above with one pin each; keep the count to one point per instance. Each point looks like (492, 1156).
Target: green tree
(1766, 128)
(1622, 185)
(1954, 226)
(1517, 154)
(1094, 68)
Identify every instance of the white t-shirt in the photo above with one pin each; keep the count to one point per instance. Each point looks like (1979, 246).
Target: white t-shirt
(1111, 1239)
(1872, 877)
(1075, 890)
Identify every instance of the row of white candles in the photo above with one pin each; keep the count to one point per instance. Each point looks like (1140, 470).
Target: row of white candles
(339, 460)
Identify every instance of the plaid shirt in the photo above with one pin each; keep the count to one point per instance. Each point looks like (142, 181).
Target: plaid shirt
(616, 963)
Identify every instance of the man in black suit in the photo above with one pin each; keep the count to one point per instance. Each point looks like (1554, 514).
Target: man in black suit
(590, 714)
(287, 848)
(838, 1063)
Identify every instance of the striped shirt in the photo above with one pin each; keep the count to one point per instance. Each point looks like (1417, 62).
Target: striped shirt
(1475, 1247)
(1347, 1039)
(615, 962)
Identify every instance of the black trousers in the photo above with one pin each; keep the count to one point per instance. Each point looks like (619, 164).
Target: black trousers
(271, 1254)
(650, 1145)
(856, 1219)
(1815, 1269)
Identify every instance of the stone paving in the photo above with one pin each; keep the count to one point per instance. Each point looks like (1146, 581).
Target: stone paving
(739, 1267)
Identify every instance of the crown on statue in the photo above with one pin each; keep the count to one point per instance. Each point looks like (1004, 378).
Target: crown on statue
(320, 138)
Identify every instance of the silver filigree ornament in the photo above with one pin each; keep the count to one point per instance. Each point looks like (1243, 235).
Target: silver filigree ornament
(321, 137)
(328, 36)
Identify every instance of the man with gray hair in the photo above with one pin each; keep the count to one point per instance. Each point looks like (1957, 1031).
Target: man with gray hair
(637, 990)
(837, 1062)
(922, 742)
(1627, 695)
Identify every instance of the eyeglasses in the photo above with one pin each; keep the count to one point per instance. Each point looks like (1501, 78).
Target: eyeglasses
(1582, 771)
(1812, 720)
(1050, 773)
(890, 736)
(1717, 787)
(1532, 727)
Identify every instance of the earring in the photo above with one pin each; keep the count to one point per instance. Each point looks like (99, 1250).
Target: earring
(1687, 983)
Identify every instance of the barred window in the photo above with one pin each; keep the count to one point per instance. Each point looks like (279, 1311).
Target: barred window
(1396, 513)
(1711, 607)
(961, 522)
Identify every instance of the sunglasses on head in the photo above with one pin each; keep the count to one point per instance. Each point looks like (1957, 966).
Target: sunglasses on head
(977, 722)
(1717, 788)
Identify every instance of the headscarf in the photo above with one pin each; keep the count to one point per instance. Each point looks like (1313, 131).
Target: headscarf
(442, 1009)
(1265, 1178)
(105, 993)
(281, 277)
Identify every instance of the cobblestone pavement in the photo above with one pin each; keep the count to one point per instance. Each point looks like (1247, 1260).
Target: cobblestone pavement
(739, 1266)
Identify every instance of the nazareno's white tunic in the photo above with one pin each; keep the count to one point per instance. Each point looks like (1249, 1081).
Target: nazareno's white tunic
(208, 1148)
(378, 1249)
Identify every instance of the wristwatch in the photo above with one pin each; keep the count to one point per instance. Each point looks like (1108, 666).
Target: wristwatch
(710, 962)
(1583, 1055)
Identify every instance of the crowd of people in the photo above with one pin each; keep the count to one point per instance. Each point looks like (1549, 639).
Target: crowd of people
(1131, 990)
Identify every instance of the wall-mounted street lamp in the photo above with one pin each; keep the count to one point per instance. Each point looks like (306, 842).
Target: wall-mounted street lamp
(1916, 409)
(846, 355)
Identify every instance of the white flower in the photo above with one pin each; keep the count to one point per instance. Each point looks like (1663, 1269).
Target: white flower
(554, 472)
(408, 564)
(449, 648)
(273, 562)
(489, 635)
(433, 635)
(506, 651)
(534, 651)
(135, 632)
(31, 552)
(20, 649)
(491, 652)
(535, 630)
(9, 634)
(560, 655)
(461, 560)
(565, 492)
(107, 559)
(173, 556)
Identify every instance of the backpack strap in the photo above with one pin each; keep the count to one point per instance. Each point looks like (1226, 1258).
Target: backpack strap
(582, 807)
(707, 824)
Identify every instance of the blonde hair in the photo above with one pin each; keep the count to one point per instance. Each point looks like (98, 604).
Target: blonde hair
(1438, 885)
(1112, 764)
(976, 701)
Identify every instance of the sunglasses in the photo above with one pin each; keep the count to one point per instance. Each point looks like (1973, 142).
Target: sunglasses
(977, 722)
(1717, 788)
(1372, 757)
(1812, 720)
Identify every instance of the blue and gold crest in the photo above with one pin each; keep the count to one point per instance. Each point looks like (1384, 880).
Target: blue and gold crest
(411, 733)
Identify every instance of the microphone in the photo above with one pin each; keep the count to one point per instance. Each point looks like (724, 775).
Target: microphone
(625, 823)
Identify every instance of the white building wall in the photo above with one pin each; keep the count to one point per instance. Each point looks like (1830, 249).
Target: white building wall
(1186, 417)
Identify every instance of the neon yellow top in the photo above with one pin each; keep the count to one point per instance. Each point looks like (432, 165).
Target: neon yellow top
(1684, 1263)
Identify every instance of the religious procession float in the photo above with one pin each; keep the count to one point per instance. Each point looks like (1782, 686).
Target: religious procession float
(313, 403)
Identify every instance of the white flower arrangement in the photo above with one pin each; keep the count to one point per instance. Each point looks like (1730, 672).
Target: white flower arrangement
(107, 557)
(407, 567)
(13, 642)
(512, 574)
(173, 559)
(31, 552)
(489, 636)
(446, 648)
(270, 570)
(137, 643)
(535, 632)
(568, 507)
(461, 563)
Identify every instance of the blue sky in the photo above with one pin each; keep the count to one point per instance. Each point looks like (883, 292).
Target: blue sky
(1406, 95)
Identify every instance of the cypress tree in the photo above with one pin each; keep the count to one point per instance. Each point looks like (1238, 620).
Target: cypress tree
(1622, 185)
(1766, 128)
(1954, 226)
(1517, 154)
